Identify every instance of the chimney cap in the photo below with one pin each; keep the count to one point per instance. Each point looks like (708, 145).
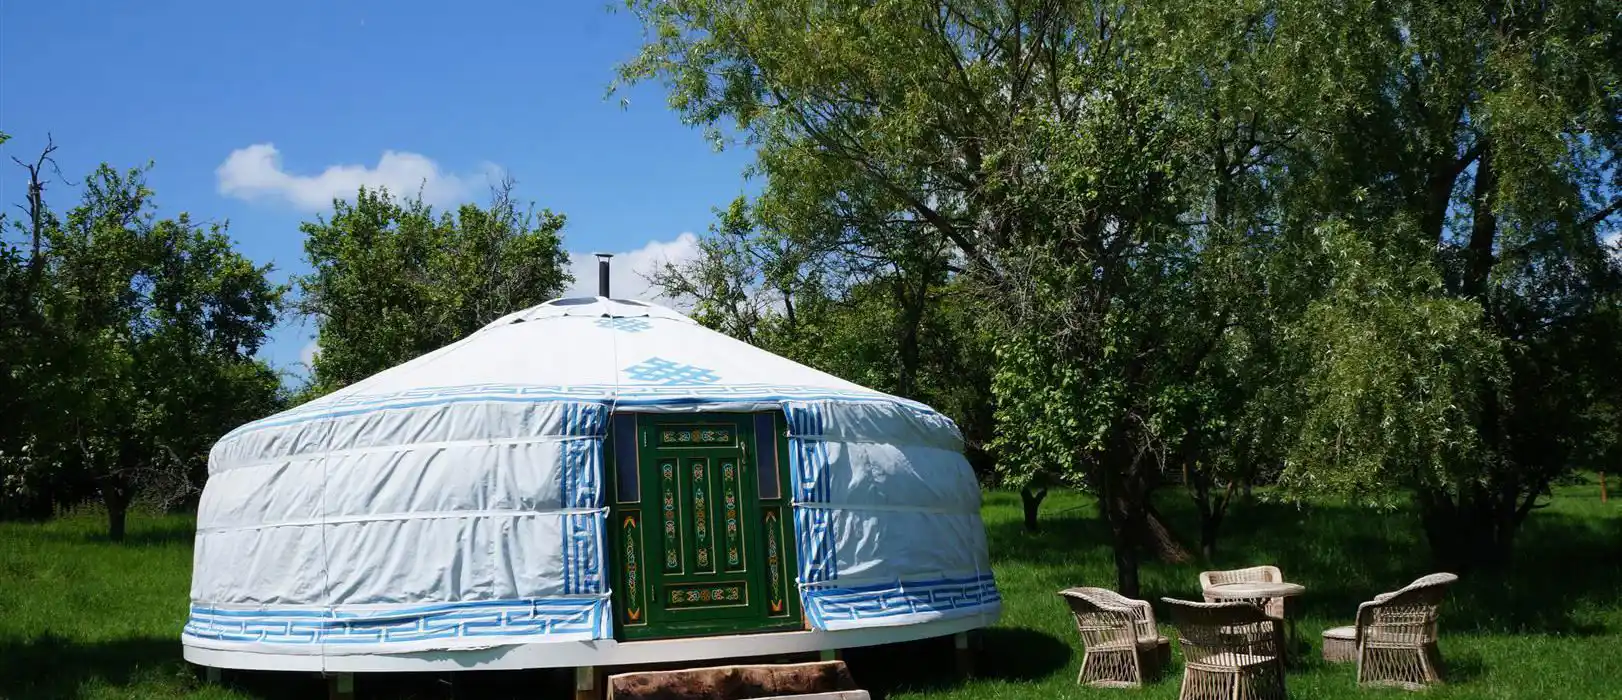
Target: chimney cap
(603, 256)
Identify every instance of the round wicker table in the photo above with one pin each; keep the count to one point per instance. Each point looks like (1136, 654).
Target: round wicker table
(1258, 593)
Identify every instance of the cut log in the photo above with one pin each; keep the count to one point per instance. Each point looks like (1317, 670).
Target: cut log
(734, 682)
(835, 695)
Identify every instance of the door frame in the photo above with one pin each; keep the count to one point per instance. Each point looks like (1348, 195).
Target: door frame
(632, 533)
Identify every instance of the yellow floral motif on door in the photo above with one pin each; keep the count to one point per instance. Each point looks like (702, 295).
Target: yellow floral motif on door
(729, 502)
(701, 515)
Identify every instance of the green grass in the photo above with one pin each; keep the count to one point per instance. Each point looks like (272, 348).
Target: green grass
(83, 618)
(1550, 628)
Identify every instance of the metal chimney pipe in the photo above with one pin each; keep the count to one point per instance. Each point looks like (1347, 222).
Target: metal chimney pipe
(602, 273)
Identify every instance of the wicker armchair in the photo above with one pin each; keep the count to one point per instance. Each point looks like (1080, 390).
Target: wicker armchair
(1256, 574)
(1231, 651)
(1121, 645)
(1395, 635)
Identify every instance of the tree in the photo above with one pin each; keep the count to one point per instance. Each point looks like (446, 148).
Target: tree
(1037, 141)
(1151, 200)
(831, 287)
(1474, 165)
(149, 331)
(393, 280)
(27, 483)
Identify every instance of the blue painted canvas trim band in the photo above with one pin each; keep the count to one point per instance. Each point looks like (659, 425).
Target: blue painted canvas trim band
(538, 617)
(948, 597)
(813, 483)
(581, 476)
(653, 395)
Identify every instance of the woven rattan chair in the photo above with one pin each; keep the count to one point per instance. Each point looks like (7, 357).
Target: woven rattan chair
(1120, 643)
(1395, 635)
(1231, 651)
(1254, 574)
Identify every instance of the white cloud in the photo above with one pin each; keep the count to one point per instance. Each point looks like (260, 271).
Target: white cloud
(306, 355)
(256, 173)
(628, 270)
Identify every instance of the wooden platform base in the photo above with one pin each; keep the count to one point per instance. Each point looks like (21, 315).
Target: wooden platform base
(824, 679)
(599, 653)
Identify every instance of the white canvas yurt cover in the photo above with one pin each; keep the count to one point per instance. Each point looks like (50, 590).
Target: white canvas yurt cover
(457, 501)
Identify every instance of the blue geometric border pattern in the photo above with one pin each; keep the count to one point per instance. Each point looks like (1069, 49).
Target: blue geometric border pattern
(538, 617)
(581, 470)
(582, 553)
(624, 323)
(940, 596)
(813, 483)
(652, 394)
(583, 456)
(658, 370)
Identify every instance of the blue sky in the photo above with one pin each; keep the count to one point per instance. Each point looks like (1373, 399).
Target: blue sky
(257, 113)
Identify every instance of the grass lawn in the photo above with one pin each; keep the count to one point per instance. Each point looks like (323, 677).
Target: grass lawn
(83, 618)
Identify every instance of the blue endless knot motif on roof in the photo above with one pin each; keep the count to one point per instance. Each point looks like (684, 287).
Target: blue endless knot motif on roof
(662, 371)
(627, 324)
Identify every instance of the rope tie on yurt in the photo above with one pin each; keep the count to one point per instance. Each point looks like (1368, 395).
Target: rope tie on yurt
(602, 494)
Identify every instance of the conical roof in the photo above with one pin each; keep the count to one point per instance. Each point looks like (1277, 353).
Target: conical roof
(626, 352)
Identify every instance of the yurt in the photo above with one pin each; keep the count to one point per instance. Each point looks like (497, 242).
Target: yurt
(588, 482)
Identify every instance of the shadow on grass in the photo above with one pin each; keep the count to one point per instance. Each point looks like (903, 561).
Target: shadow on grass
(1002, 654)
(1459, 668)
(143, 532)
(50, 667)
(1345, 555)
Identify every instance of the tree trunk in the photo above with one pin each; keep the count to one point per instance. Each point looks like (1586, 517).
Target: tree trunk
(908, 350)
(1199, 486)
(1123, 512)
(907, 379)
(1156, 537)
(1126, 568)
(1483, 227)
(1208, 537)
(118, 503)
(1032, 500)
(1468, 533)
(1437, 196)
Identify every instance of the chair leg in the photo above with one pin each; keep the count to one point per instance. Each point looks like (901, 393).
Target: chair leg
(1427, 666)
(1431, 655)
(1258, 684)
(1086, 656)
(1361, 652)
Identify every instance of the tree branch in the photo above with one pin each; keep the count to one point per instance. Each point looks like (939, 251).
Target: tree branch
(1602, 214)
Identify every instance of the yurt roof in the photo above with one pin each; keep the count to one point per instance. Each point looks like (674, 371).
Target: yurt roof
(626, 352)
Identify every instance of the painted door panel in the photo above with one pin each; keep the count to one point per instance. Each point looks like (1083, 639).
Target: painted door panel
(702, 541)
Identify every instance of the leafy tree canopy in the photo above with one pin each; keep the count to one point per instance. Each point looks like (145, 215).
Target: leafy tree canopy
(393, 279)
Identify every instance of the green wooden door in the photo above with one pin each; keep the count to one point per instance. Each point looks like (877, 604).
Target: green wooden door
(702, 542)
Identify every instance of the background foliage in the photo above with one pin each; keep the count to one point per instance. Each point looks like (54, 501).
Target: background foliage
(1364, 249)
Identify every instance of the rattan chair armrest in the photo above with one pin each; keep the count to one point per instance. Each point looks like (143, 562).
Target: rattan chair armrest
(1148, 617)
(1365, 618)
